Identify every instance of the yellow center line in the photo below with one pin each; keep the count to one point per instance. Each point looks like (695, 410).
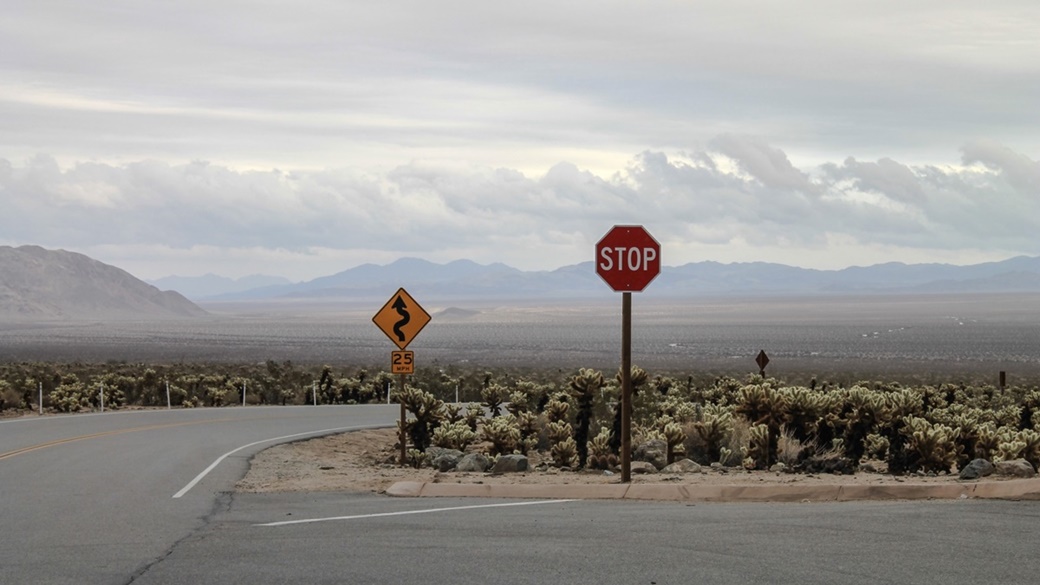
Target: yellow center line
(57, 442)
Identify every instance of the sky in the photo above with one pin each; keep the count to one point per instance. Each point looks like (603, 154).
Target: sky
(302, 139)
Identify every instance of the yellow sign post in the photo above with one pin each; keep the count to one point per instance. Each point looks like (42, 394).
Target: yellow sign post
(401, 319)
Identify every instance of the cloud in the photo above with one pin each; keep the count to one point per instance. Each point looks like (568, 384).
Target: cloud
(742, 193)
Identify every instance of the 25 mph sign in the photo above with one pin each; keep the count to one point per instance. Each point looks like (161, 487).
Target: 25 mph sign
(628, 258)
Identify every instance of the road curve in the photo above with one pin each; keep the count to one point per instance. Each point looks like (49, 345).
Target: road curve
(90, 498)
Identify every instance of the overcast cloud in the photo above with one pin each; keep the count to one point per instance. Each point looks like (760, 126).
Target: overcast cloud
(304, 139)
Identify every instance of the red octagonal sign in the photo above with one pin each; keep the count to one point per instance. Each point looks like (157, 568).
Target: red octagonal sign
(628, 258)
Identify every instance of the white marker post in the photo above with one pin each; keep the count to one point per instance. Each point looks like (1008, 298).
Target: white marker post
(243, 393)
(314, 392)
(168, 405)
(41, 397)
(102, 393)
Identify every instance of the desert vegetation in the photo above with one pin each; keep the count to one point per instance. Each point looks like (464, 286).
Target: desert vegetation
(570, 419)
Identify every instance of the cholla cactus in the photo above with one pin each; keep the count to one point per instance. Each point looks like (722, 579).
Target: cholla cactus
(558, 431)
(584, 387)
(714, 427)
(474, 412)
(674, 437)
(527, 422)
(565, 453)
(934, 445)
(493, 395)
(877, 446)
(600, 455)
(416, 458)
(456, 435)
(556, 409)
(518, 402)
(1031, 450)
(503, 434)
(452, 413)
(758, 447)
(426, 408)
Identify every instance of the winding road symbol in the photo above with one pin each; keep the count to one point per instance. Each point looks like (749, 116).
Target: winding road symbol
(401, 318)
(401, 308)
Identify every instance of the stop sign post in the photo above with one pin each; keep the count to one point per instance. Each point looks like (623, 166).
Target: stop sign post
(627, 259)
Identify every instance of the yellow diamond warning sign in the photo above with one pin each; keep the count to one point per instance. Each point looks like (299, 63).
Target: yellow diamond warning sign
(401, 318)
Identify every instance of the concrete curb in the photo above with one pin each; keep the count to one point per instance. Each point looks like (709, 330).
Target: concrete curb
(1018, 489)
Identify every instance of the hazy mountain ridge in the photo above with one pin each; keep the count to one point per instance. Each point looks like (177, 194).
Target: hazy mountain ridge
(467, 279)
(40, 284)
(208, 285)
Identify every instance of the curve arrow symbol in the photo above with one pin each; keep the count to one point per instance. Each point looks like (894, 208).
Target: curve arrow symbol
(401, 308)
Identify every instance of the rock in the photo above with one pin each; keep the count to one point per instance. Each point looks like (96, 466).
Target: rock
(446, 461)
(654, 452)
(643, 468)
(682, 466)
(716, 465)
(1016, 468)
(867, 468)
(777, 467)
(510, 464)
(976, 469)
(473, 462)
(818, 464)
(435, 452)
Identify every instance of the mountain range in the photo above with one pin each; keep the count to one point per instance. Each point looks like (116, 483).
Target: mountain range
(38, 284)
(465, 279)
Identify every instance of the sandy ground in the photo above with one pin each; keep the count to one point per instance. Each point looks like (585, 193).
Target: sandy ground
(361, 461)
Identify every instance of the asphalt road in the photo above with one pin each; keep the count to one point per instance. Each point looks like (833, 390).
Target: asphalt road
(90, 500)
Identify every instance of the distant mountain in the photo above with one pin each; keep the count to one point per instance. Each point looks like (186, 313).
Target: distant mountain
(39, 284)
(211, 285)
(464, 279)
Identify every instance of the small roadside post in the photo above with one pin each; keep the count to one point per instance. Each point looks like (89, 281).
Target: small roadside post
(401, 319)
(627, 259)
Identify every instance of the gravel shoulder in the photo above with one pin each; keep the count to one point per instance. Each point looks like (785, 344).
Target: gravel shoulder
(362, 461)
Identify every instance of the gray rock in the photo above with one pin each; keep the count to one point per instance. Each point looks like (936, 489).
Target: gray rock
(1016, 468)
(510, 464)
(473, 462)
(446, 461)
(777, 467)
(976, 469)
(654, 452)
(643, 468)
(682, 466)
(435, 452)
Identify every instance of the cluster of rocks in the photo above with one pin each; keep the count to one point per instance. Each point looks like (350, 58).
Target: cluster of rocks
(980, 468)
(651, 457)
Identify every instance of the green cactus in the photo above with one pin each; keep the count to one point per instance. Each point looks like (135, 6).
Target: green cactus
(933, 446)
(584, 387)
(454, 435)
(503, 433)
(427, 412)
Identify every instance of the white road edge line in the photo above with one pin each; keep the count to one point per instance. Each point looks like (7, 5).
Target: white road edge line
(409, 512)
(213, 465)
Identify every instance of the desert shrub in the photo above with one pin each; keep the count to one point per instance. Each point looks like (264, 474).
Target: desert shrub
(426, 410)
(453, 435)
(503, 434)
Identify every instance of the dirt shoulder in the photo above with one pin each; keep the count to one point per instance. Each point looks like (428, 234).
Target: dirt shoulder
(361, 461)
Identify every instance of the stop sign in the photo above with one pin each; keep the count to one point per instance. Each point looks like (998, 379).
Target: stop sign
(628, 258)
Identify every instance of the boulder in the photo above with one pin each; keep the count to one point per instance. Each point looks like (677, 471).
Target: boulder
(477, 462)
(682, 466)
(510, 464)
(976, 469)
(643, 467)
(1015, 468)
(446, 461)
(654, 452)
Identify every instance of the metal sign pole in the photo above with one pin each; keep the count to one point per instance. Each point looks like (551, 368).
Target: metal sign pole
(626, 387)
(403, 440)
